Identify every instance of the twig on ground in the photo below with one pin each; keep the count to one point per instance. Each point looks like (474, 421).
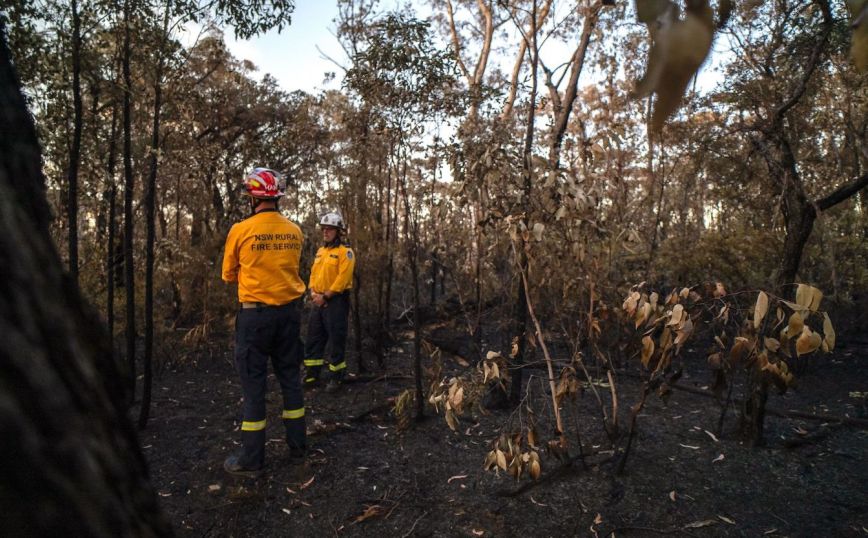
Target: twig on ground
(409, 532)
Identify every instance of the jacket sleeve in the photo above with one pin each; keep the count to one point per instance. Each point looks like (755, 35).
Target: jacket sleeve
(230, 257)
(346, 263)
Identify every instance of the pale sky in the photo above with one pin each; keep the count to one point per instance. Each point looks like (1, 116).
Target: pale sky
(292, 56)
(293, 59)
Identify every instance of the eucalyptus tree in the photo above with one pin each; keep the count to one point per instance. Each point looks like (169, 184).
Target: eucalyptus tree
(404, 75)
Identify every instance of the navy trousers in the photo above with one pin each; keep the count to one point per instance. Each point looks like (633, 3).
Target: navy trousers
(328, 325)
(261, 333)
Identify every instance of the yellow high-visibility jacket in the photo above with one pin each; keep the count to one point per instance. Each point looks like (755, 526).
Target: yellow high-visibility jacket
(332, 269)
(262, 254)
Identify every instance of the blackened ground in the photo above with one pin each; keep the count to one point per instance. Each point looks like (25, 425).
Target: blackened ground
(428, 480)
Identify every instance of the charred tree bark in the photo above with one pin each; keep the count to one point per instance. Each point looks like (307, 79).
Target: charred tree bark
(129, 187)
(150, 218)
(519, 329)
(70, 460)
(111, 195)
(799, 212)
(75, 149)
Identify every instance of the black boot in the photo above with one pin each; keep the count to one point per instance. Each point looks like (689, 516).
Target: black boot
(233, 465)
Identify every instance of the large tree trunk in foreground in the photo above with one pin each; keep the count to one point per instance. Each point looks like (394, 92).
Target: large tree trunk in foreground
(70, 461)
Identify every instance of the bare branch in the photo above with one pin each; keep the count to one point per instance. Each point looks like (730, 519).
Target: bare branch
(842, 193)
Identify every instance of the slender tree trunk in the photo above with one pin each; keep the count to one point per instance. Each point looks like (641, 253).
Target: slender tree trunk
(519, 330)
(75, 150)
(577, 62)
(87, 475)
(411, 227)
(150, 209)
(111, 258)
(129, 187)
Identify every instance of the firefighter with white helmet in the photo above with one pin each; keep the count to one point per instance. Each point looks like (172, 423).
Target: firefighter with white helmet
(262, 255)
(331, 279)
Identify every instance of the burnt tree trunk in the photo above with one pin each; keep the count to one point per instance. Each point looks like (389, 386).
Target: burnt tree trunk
(129, 187)
(150, 206)
(75, 149)
(111, 255)
(70, 459)
(519, 322)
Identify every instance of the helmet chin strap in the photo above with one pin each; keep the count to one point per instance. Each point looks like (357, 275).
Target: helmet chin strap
(254, 204)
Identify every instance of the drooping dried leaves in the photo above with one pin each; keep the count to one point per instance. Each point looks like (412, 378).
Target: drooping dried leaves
(678, 49)
(780, 330)
(509, 455)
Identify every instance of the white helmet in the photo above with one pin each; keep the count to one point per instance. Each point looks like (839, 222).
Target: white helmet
(332, 219)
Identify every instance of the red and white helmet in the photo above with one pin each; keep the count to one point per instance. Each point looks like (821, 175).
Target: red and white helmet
(265, 184)
(333, 219)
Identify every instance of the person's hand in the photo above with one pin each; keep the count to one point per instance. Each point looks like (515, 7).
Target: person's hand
(318, 299)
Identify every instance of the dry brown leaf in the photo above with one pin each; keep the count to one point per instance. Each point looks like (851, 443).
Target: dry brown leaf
(828, 332)
(772, 344)
(642, 314)
(677, 314)
(535, 470)
(795, 325)
(681, 48)
(808, 341)
(648, 11)
(647, 350)
(631, 302)
(490, 460)
(760, 309)
(501, 459)
(803, 295)
(684, 333)
(816, 297)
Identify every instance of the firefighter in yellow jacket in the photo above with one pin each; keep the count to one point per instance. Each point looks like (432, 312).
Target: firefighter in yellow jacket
(331, 279)
(262, 255)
